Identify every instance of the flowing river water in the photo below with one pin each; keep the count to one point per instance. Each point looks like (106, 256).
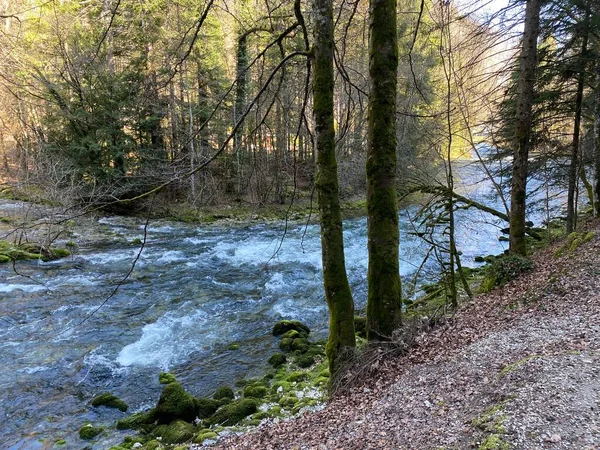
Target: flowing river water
(194, 291)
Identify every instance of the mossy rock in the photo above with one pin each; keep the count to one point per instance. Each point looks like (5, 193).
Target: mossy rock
(234, 412)
(5, 259)
(294, 334)
(224, 392)
(255, 391)
(277, 360)
(281, 387)
(205, 435)
(283, 326)
(300, 345)
(60, 253)
(324, 373)
(288, 401)
(138, 421)
(206, 407)
(152, 445)
(89, 431)
(233, 346)
(305, 361)
(296, 377)
(286, 344)
(175, 403)
(166, 378)
(110, 401)
(261, 415)
(176, 432)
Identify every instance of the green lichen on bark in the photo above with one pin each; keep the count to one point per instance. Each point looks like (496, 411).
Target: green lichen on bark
(341, 341)
(384, 290)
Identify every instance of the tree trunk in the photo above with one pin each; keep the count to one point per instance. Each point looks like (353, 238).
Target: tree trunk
(571, 202)
(597, 143)
(341, 341)
(523, 127)
(384, 290)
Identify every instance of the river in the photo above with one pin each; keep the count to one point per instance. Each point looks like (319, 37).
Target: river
(194, 291)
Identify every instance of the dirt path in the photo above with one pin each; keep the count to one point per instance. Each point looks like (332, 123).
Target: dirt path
(516, 369)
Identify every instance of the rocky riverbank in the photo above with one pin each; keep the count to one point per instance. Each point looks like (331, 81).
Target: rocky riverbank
(516, 368)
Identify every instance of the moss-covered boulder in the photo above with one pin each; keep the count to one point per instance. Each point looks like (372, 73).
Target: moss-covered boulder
(284, 326)
(175, 403)
(286, 344)
(204, 435)
(138, 421)
(277, 360)
(234, 412)
(296, 377)
(110, 401)
(176, 432)
(89, 431)
(300, 345)
(206, 407)
(255, 391)
(166, 378)
(224, 392)
(305, 361)
(288, 401)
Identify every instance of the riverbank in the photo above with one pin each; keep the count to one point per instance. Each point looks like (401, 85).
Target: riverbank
(516, 368)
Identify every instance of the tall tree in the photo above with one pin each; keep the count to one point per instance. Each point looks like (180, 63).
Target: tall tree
(523, 127)
(384, 290)
(341, 341)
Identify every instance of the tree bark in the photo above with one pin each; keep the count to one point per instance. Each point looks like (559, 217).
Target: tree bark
(597, 143)
(523, 127)
(341, 342)
(571, 203)
(384, 290)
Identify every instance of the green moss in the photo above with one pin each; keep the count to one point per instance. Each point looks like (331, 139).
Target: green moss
(61, 442)
(289, 401)
(137, 421)
(294, 334)
(204, 435)
(305, 361)
(589, 236)
(152, 445)
(109, 400)
(512, 367)
(224, 392)
(233, 346)
(255, 391)
(300, 345)
(295, 377)
(5, 258)
(60, 252)
(166, 378)
(175, 403)
(206, 407)
(136, 241)
(286, 344)
(234, 412)
(286, 325)
(277, 360)
(494, 442)
(360, 326)
(88, 431)
(174, 433)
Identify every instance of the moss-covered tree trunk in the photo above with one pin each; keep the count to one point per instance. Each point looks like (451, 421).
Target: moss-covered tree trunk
(384, 291)
(523, 127)
(341, 341)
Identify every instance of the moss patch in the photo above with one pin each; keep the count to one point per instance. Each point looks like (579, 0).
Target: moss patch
(175, 403)
(234, 412)
(224, 392)
(166, 378)
(109, 400)
(284, 326)
(137, 421)
(176, 432)
(88, 431)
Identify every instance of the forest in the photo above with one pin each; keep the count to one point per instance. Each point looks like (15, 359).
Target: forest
(365, 168)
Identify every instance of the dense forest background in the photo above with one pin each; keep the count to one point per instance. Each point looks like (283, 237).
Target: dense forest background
(105, 100)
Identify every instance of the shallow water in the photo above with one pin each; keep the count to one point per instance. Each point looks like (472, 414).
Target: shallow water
(194, 291)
